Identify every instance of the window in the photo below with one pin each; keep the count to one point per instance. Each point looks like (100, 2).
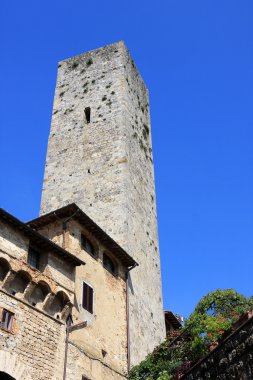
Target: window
(85, 378)
(7, 320)
(87, 246)
(87, 114)
(109, 264)
(33, 258)
(87, 302)
(4, 268)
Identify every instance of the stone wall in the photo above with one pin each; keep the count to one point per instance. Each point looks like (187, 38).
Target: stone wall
(105, 166)
(34, 350)
(232, 359)
(33, 347)
(37, 341)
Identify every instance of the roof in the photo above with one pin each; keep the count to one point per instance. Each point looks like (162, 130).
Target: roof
(38, 239)
(72, 211)
(172, 319)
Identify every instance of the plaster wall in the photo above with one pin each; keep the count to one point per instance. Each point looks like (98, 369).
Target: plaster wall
(105, 337)
(12, 242)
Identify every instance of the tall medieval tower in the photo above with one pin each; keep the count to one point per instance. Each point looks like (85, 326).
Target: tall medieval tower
(100, 157)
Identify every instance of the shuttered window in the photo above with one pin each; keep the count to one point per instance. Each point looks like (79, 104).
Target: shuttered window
(87, 298)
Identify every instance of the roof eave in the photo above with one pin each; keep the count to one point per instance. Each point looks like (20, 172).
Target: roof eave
(39, 239)
(73, 211)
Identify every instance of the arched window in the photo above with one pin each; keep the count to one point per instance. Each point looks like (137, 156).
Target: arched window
(109, 264)
(88, 246)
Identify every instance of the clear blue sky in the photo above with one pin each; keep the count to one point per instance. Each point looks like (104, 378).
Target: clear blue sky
(196, 57)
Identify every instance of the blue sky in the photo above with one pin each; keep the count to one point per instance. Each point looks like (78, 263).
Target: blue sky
(196, 58)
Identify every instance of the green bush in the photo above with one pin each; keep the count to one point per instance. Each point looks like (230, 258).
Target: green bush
(213, 315)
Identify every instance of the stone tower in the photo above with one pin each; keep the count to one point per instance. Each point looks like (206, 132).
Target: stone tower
(100, 157)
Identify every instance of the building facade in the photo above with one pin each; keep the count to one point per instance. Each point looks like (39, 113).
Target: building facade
(80, 286)
(100, 157)
(59, 270)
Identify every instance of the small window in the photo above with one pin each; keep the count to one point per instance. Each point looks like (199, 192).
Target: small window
(87, 114)
(87, 298)
(7, 320)
(87, 245)
(4, 268)
(33, 258)
(109, 264)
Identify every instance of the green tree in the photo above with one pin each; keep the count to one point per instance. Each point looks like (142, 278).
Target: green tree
(213, 315)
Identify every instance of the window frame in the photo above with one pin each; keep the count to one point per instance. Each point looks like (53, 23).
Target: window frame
(6, 322)
(93, 252)
(115, 264)
(90, 310)
(33, 252)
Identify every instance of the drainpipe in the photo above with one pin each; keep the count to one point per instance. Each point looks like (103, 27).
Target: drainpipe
(69, 329)
(127, 318)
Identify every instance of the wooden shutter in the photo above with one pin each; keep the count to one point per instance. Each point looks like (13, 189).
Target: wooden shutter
(87, 298)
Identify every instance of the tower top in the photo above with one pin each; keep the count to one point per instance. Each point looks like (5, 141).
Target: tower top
(114, 45)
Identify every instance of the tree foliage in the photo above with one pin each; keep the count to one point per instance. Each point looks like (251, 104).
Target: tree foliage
(213, 316)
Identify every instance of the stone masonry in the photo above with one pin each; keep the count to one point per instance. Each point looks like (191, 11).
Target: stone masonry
(37, 343)
(33, 348)
(100, 157)
(40, 299)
